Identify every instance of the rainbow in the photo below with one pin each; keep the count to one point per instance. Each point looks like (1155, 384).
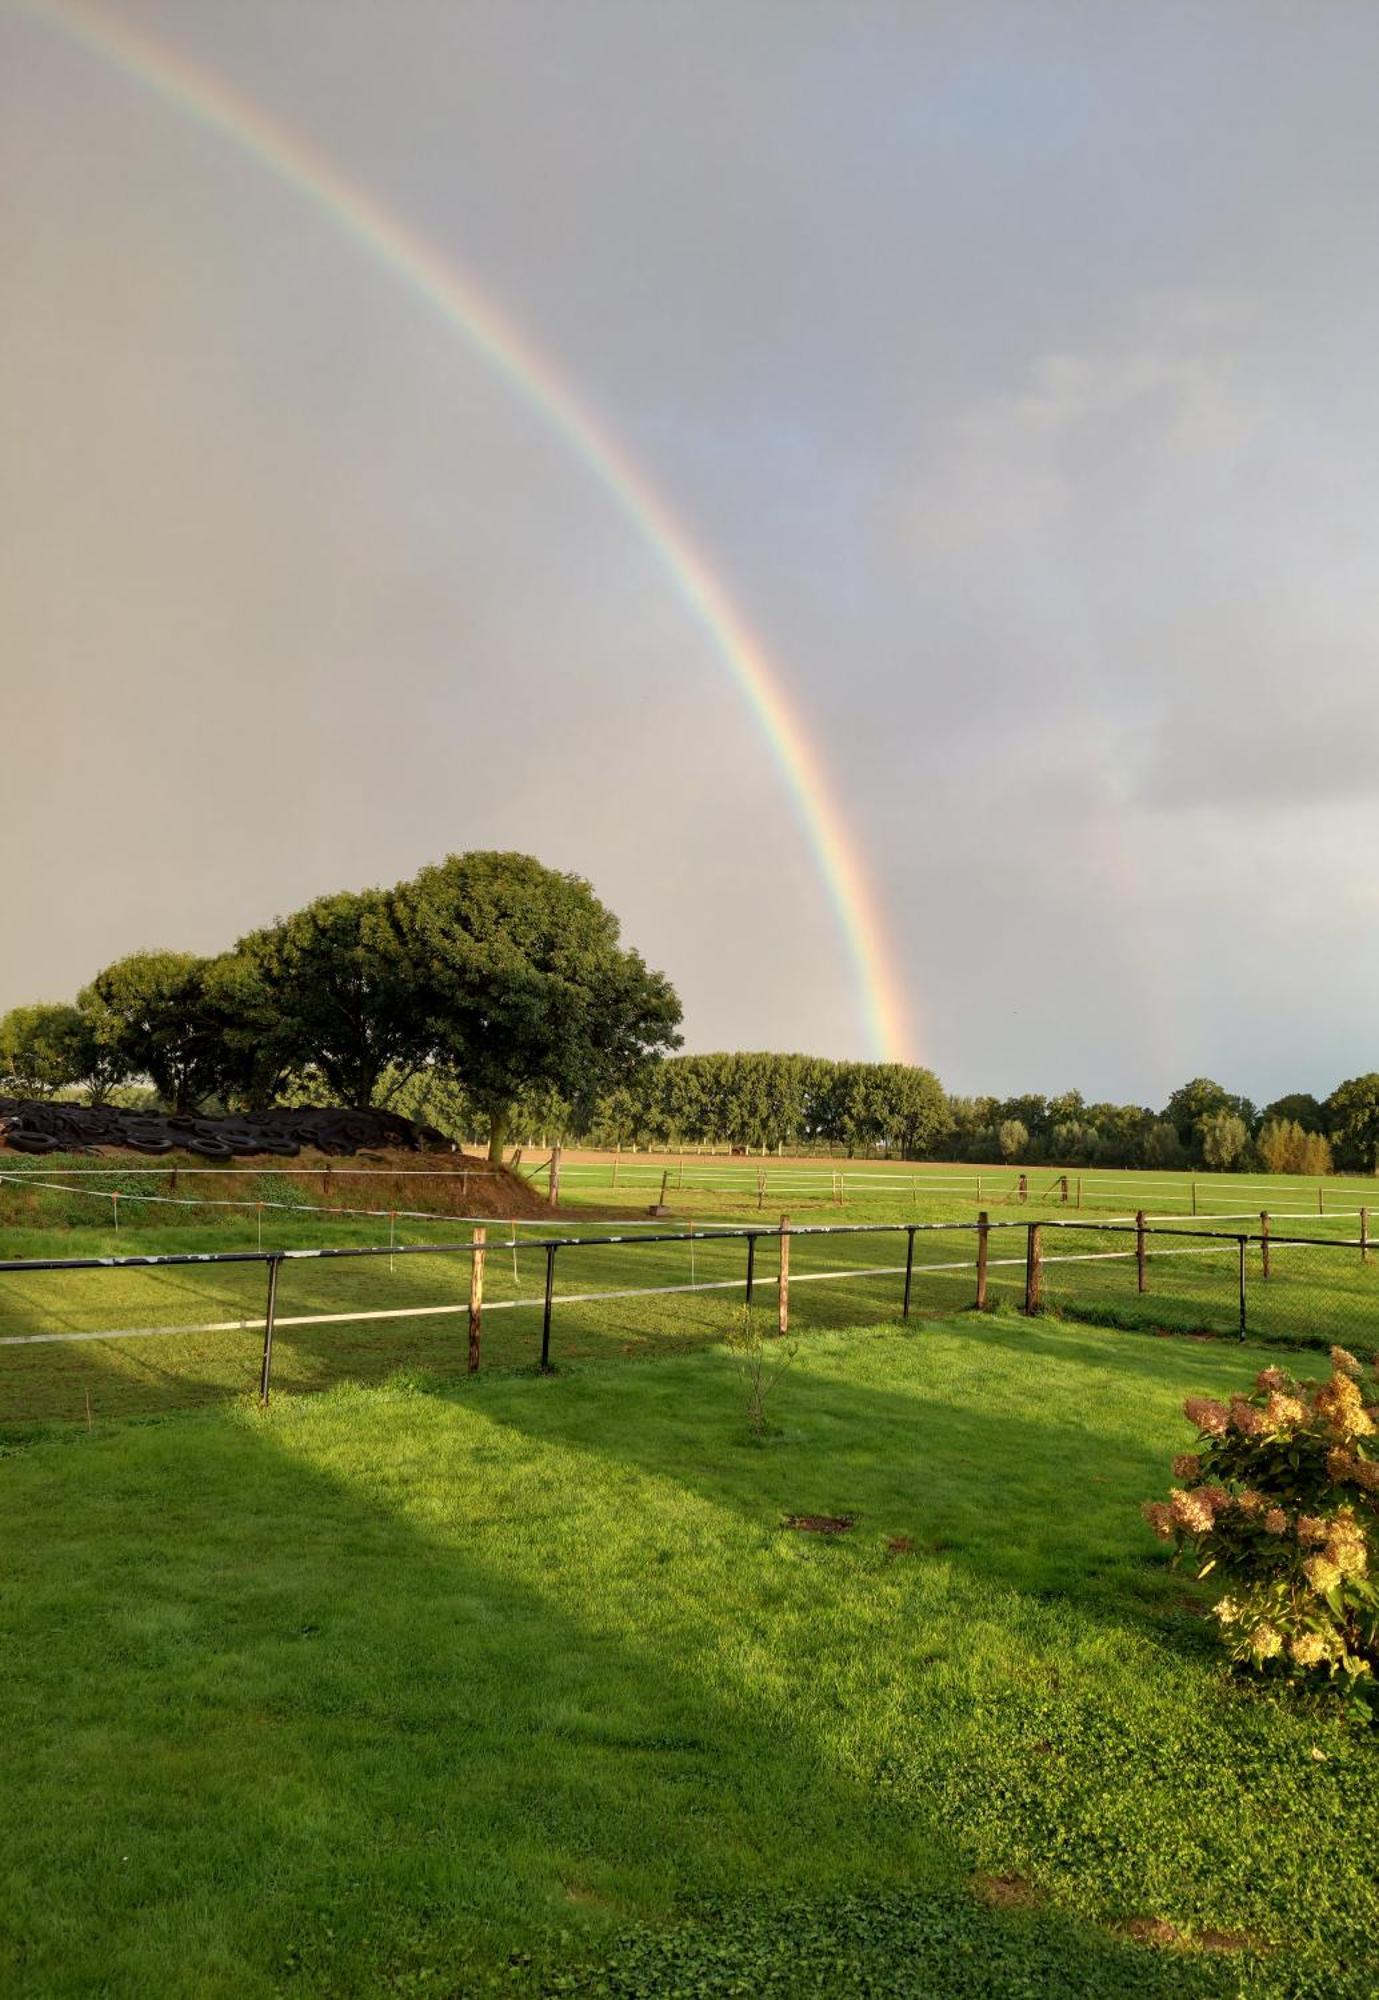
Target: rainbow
(443, 283)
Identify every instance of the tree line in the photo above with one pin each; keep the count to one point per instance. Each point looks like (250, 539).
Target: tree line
(788, 1102)
(493, 997)
(486, 971)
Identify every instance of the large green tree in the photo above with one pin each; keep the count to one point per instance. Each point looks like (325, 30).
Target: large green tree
(331, 989)
(167, 1015)
(524, 984)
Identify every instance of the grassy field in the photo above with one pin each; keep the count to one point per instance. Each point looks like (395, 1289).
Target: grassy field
(524, 1686)
(937, 1187)
(1312, 1297)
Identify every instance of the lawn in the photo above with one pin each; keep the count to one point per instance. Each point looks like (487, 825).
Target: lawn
(523, 1686)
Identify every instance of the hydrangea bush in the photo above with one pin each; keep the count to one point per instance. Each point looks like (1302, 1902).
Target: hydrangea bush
(1280, 1501)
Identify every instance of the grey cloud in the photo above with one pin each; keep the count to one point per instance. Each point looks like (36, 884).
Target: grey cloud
(1011, 364)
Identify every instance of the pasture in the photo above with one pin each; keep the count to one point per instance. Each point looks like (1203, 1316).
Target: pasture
(525, 1685)
(360, 1320)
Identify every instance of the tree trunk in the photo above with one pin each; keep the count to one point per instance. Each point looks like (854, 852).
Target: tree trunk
(498, 1133)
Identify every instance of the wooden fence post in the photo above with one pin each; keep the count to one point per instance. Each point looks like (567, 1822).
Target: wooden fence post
(1064, 1184)
(1264, 1241)
(761, 1189)
(1364, 1236)
(476, 1296)
(1141, 1253)
(1321, 1205)
(1024, 1187)
(553, 1191)
(1034, 1269)
(983, 1232)
(615, 1169)
(783, 1289)
(1194, 1197)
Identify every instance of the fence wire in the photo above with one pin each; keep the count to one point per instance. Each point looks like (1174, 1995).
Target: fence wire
(82, 1339)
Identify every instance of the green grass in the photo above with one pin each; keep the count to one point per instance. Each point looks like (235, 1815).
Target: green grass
(1312, 1298)
(523, 1687)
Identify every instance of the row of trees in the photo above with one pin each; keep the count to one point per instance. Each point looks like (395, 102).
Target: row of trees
(491, 994)
(766, 1101)
(488, 970)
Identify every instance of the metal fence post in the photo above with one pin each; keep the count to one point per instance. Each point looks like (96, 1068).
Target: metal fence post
(1034, 1269)
(551, 1249)
(270, 1313)
(1364, 1236)
(1264, 1242)
(909, 1269)
(1141, 1273)
(751, 1264)
(783, 1288)
(983, 1235)
(1243, 1241)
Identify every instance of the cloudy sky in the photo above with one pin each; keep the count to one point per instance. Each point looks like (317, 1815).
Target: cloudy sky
(1012, 367)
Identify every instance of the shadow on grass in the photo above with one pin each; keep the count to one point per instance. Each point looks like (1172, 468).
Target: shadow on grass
(284, 1730)
(1033, 1484)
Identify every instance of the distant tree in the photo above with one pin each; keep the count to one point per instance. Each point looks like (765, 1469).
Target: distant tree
(1163, 1149)
(1301, 1108)
(974, 1125)
(50, 1047)
(1352, 1118)
(1013, 1137)
(915, 1116)
(1190, 1104)
(1031, 1111)
(1224, 1136)
(1281, 1142)
(163, 1014)
(1066, 1109)
(1122, 1132)
(522, 983)
(1073, 1142)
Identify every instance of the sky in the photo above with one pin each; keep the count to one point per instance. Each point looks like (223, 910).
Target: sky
(1010, 367)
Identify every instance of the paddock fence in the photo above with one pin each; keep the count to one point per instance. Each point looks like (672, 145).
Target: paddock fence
(82, 1337)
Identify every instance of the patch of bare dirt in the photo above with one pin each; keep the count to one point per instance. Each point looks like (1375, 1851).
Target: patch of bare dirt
(1156, 1932)
(900, 1545)
(1006, 1892)
(819, 1524)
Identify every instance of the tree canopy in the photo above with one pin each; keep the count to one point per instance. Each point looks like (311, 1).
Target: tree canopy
(166, 1015)
(331, 989)
(523, 983)
(1352, 1112)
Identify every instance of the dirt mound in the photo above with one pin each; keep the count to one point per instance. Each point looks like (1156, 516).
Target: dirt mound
(458, 1184)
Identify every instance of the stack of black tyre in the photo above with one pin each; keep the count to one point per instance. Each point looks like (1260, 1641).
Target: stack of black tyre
(32, 1125)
